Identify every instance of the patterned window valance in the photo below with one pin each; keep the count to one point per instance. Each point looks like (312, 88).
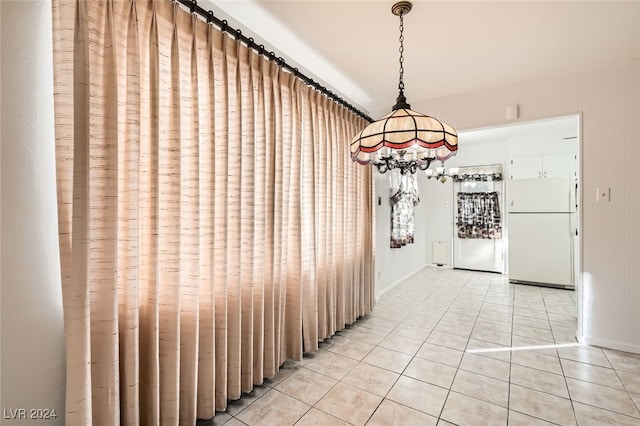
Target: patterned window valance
(479, 174)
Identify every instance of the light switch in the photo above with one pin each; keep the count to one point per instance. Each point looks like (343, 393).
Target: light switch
(602, 195)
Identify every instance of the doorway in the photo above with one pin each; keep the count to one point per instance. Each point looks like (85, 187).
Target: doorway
(531, 152)
(478, 234)
(540, 149)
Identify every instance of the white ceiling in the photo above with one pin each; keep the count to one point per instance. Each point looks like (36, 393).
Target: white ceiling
(451, 47)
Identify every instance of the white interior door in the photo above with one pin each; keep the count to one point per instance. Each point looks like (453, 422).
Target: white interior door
(479, 254)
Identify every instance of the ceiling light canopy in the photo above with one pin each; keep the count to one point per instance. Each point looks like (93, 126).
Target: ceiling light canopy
(404, 139)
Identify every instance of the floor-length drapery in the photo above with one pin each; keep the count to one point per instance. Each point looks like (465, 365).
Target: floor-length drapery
(211, 221)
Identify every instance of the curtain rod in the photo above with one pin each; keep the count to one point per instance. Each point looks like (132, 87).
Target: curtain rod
(208, 15)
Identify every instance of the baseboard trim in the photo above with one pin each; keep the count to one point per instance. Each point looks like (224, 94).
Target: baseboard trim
(610, 344)
(399, 281)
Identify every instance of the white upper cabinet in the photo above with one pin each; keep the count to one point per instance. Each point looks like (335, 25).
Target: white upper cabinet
(525, 167)
(543, 166)
(560, 165)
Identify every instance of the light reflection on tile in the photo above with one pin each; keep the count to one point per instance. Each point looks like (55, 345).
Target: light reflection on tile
(535, 345)
(490, 350)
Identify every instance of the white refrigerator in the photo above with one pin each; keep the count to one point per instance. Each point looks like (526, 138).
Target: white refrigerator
(541, 229)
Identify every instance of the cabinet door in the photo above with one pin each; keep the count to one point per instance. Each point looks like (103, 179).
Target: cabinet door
(560, 165)
(525, 167)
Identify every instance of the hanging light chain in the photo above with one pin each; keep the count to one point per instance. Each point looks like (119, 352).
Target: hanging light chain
(401, 49)
(400, 9)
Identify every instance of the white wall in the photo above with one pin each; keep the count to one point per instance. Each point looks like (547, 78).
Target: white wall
(609, 101)
(33, 357)
(395, 265)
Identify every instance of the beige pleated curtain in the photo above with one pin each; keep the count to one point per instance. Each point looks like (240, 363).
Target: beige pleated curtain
(212, 223)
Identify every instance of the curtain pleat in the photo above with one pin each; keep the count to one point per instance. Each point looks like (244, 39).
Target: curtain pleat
(212, 224)
(221, 153)
(272, 231)
(204, 92)
(149, 222)
(129, 222)
(308, 260)
(258, 219)
(248, 238)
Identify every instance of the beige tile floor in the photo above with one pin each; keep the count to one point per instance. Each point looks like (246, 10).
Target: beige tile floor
(453, 348)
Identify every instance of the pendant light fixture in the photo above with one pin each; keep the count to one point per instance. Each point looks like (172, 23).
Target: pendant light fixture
(404, 139)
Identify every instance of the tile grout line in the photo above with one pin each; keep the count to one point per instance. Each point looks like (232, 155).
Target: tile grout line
(413, 357)
(401, 373)
(573, 408)
(461, 358)
(513, 313)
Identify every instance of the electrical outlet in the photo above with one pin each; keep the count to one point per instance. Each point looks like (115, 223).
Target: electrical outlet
(603, 195)
(379, 275)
